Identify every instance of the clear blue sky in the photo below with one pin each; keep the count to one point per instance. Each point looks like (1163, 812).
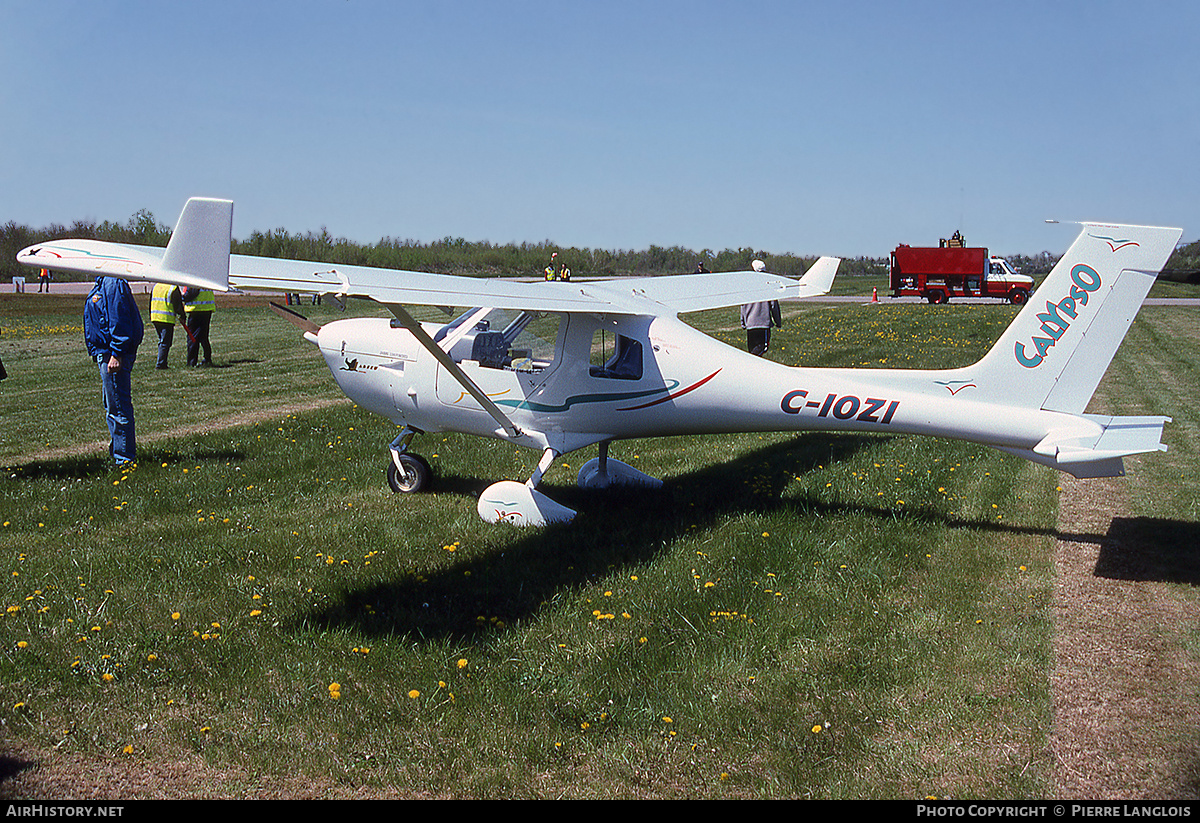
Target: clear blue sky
(816, 128)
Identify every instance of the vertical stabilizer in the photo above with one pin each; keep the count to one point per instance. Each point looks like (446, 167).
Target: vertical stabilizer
(1055, 352)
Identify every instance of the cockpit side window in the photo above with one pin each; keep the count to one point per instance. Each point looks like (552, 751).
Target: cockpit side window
(615, 356)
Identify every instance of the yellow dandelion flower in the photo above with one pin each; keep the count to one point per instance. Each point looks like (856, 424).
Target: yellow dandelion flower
(414, 694)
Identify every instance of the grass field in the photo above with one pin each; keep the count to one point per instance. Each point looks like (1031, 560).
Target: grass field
(790, 616)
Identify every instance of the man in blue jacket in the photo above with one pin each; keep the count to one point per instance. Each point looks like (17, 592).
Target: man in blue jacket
(112, 328)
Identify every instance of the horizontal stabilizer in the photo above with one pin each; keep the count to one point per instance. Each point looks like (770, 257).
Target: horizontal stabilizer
(1084, 454)
(1130, 435)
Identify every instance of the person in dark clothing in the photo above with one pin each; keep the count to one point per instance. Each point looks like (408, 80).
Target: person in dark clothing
(113, 329)
(757, 320)
(198, 306)
(166, 308)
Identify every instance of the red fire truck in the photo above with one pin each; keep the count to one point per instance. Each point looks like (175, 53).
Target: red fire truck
(953, 270)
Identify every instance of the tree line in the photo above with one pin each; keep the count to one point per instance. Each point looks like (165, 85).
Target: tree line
(450, 255)
(456, 255)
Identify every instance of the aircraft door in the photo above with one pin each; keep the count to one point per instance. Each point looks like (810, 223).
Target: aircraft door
(508, 355)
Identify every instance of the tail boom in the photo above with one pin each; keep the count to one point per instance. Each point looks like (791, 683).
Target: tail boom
(1028, 395)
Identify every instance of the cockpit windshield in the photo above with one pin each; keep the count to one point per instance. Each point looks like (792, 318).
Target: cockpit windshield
(502, 339)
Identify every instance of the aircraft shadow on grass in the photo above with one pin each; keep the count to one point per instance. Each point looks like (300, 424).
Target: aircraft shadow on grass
(1150, 549)
(11, 767)
(91, 466)
(236, 361)
(627, 527)
(616, 527)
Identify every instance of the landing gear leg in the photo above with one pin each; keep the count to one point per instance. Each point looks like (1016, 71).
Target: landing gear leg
(407, 472)
(548, 458)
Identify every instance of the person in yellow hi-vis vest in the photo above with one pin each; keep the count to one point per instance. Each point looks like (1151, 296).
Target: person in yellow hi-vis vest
(198, 306)
(166, 306)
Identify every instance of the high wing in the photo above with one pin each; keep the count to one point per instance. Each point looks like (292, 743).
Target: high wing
(630, 295)
(696, 292)
(198, 255)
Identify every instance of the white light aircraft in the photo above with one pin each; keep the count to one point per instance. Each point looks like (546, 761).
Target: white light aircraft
(561, 366)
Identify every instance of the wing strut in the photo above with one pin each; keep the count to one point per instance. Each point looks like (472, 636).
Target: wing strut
(467, 383)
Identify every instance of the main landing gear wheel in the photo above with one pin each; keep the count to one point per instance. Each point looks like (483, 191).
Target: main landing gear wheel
(412, 475)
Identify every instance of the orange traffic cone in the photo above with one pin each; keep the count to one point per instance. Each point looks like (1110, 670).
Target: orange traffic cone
(874, 295)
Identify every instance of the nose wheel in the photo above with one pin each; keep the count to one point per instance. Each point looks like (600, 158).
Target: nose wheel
(407, 472)
(410, 475)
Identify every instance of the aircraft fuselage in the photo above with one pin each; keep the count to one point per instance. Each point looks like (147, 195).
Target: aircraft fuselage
(686, 383)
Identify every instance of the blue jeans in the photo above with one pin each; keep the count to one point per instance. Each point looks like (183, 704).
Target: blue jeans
(118, 409)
